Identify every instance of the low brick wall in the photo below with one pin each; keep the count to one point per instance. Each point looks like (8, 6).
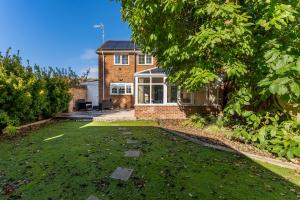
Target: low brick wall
(171, 112)
(122, 101)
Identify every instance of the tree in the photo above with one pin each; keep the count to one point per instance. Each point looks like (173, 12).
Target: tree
(253, 44)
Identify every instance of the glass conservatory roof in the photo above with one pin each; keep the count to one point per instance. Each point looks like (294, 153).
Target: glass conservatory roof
(153, 71)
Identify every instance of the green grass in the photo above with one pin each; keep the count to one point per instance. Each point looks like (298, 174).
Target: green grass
(72, 160)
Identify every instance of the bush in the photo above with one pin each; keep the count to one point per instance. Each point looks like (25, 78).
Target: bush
(10, 130)
(26, 93)
(195, 120)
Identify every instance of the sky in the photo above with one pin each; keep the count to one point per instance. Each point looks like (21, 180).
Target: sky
(60, 33)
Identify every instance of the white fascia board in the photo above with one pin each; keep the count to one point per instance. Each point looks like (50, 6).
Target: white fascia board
(149, 75)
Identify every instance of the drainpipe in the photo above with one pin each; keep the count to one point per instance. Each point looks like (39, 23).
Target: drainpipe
(103, 77)
(134, 85)
(134, 57)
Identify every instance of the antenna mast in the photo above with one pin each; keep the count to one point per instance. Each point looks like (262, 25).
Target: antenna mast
(101, 27)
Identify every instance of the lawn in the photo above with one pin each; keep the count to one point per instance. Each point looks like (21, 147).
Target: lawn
(73, 160)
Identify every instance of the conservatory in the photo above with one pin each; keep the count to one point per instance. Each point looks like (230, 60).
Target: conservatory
(155, 98)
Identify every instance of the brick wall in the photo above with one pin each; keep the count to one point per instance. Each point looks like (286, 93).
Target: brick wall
(77, 93)
(122, 101)
(170, 112)
(118, 74)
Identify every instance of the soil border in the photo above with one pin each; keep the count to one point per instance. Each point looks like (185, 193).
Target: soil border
(207, 142)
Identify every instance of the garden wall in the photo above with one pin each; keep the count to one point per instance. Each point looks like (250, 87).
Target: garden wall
(171, 112)
(79, 92)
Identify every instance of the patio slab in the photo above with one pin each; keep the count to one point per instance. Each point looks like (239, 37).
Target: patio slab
(132, 153)
(127, 133)
(92, 197)
(129, 141)
(122, 173)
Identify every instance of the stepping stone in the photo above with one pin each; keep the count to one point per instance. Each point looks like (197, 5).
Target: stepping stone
(92, 197)
(127, 133)
(122, 174)
(132, 153)
(129, 141)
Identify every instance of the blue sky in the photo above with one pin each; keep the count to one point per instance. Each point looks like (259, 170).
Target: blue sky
(60, 33)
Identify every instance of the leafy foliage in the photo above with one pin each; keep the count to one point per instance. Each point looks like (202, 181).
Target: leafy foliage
(28, 93)
(195, 120)
(282, 139)
(253, 45)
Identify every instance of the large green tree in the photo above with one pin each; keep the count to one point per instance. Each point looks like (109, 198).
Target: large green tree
(254, 45)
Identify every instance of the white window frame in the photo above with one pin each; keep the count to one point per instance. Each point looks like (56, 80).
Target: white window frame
(145, 59)
(121, 84)
(165, 88)
(121, 57)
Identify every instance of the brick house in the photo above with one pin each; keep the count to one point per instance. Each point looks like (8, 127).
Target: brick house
(128, 78)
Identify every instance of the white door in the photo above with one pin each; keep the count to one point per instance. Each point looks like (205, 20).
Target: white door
(93, 93)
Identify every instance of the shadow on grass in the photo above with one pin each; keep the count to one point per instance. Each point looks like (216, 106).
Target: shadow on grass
(78, 164)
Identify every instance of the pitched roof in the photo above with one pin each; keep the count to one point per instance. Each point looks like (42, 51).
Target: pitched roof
(119, 45)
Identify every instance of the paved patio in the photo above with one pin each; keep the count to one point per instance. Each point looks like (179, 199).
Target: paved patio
(114, 115)
(105, 115)
(89, 115)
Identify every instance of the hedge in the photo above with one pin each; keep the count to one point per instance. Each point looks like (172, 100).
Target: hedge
(30, 93)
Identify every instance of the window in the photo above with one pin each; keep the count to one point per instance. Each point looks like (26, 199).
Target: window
(114, 89)
(128, 89)
(172, 94)
(157, 94)
(148, 59)
(144, 80)
(141, 59)
(121, 59)
(145, 59)
(185, 97)
(121, 88)
(157, 80)
(213, 95)
(144, 94)
(150, 90)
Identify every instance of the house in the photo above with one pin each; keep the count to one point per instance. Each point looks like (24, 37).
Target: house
(128, 78)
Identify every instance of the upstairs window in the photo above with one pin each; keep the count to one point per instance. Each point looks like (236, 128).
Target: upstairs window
(121, 59)
(145, 59)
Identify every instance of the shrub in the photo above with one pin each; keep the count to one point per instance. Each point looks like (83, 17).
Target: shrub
(10, 130)
(267, 132)
(195, 120)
